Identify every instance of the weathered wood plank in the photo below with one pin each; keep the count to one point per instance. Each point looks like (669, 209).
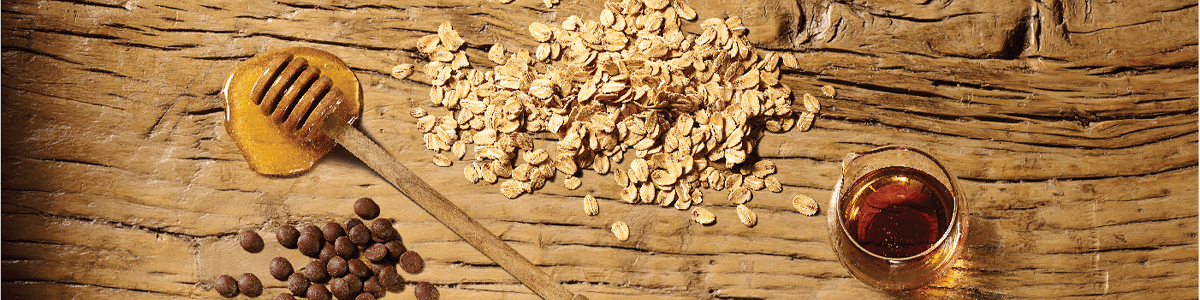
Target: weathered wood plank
(1072, 124)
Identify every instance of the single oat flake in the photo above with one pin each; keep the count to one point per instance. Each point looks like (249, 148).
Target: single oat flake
(748, 217)
(703, 216)
(805, 205)
(590, 206)
(621, 231)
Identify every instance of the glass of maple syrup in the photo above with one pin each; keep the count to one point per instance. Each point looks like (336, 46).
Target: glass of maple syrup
(898, 219)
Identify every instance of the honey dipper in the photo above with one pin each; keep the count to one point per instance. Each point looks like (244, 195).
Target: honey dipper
(286, 107)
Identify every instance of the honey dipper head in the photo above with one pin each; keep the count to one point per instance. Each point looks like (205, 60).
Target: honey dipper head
(275, 101)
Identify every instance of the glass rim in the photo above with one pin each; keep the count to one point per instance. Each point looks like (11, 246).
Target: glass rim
(954, 193)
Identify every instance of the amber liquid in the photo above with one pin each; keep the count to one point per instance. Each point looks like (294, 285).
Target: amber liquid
(897, 212)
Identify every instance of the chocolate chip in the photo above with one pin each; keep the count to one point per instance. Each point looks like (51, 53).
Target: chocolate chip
(376, 253)
(318, 291)
(366, 208)
(285, 296)
(332, 231)
(310, 244)
(287, 235)
(372, 286)
(354, 283)
(382, 231)
(353, 222)
(316, 271)
(358, 268)
(344, 248)
(389, 279)
(310, 228)
(426, 291)
(250, 241)
(327, 252)
(365, 296)
(337, 266)
(411, 262)
(281, 268)
(359, 235)
(346, 287)
(298, 284)
(338, 287)
(377, 266)
(395, 249)
(250, 285)
(226, 286)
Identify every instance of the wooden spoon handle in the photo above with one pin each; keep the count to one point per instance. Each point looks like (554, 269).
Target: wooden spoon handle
(443, 210)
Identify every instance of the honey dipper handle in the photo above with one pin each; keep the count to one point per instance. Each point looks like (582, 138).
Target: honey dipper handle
(443, 210)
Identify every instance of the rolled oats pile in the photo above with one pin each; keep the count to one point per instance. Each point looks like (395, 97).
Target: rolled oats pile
(689, 109)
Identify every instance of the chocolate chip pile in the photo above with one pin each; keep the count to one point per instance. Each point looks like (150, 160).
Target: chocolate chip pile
(355, 261)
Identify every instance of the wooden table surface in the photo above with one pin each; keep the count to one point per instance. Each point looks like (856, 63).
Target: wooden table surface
(1072, 125)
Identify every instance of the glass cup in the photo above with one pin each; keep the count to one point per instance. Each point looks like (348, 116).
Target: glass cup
(898, 220)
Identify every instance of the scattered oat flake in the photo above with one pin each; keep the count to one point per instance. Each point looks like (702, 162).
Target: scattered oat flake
(449, 37)
(572, 182)
(703, 216)
(740, 195)
(418, 112)
(511, 189)
(540, 32)
(621, 231)
(402, 71)
(773, 184)
(811, 104)
(590, 206)
(829, 91)
(805, 205)
(748, 217)
(441, 160)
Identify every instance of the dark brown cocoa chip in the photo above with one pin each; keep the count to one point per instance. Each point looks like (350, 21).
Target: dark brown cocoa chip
(316, 271)
(251, 241)
(298, 284)
(339, 289)
(365, 296)
(366, 208)
(372, 286)
(354, 283)
(382, 231)
(377, 266)
(332, 231)
(389, 279)
(359, 235)
(287, 236)
(318, 291)
(250, 285)
(358, 268)
(353, 222)
(226, 286)
(344, 248)
(281, 268)
(395, 249)
(310, 228)
(376, 253)
(327, 252)
(426, 291)
(310, 244)
(337, 266)
(285, 296)
(411, 262)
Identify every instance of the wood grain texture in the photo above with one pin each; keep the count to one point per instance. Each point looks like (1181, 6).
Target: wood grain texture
(1073, 125)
